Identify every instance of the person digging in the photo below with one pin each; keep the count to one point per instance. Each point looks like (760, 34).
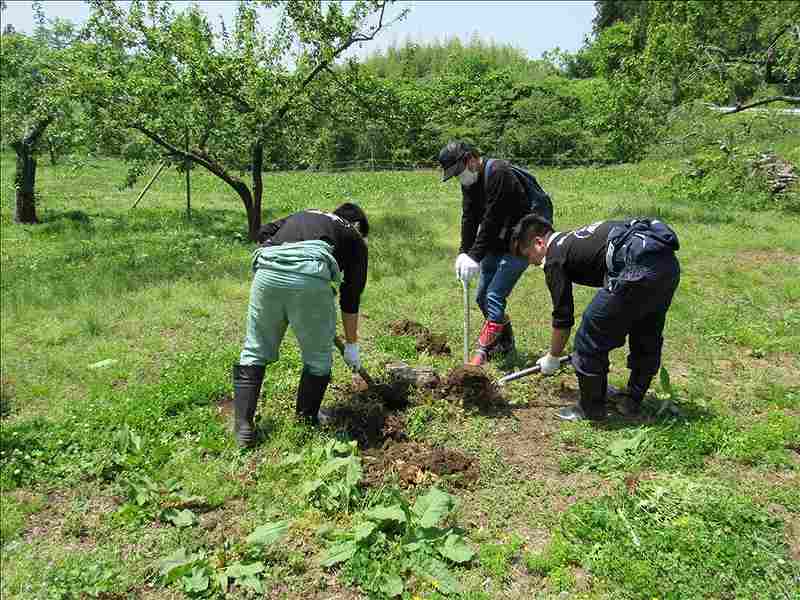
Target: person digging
(299, 261)
(495, 196)
(634, 265)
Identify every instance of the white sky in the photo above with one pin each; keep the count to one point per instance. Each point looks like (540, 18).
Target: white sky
(529, 25)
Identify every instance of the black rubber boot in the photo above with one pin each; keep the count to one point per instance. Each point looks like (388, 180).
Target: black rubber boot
(592, 404)
(505, 344)
(631, 401)
(247, 381)
(309, 395)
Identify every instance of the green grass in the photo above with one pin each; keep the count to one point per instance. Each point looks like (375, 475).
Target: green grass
(119, 327)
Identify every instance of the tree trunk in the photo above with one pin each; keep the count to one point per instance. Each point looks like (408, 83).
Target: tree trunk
(25, 176)
(53, 152)
(253, 216)
(25, 180)
(254, 223)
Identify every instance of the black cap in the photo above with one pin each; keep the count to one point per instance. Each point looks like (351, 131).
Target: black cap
(451, 158)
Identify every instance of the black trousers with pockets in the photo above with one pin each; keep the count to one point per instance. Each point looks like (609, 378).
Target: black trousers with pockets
(637, 310)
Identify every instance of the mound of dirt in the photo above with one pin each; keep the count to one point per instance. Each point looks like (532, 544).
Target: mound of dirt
(392, 396)
(418, 464)
(406, 327)
(433, 343)
(365, 420)
(472, 386)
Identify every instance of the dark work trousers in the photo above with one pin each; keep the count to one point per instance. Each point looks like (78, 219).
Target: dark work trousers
(637, 309)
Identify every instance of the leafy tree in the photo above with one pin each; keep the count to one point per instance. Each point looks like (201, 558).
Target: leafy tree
(35, 97)
(611, 12)
(234, 95)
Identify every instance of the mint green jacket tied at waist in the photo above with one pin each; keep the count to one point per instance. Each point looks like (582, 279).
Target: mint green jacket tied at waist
(293, 285)
(290, 264)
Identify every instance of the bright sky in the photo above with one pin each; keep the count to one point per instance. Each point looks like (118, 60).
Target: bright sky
(530, 25)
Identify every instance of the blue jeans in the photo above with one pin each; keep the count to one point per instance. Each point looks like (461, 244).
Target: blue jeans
(499, 275)
(636, 310)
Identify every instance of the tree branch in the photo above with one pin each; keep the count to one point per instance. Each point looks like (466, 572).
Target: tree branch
(241, 105)
(35, 132)
(281, 112)
(789, 99)
(201, 157)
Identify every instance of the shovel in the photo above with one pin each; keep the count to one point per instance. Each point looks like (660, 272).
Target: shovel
(465, 285)
(362, 372)
(388, 394)
(529, 371)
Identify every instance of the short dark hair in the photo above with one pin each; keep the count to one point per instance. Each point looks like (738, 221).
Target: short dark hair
(531, 226)
(352, 213)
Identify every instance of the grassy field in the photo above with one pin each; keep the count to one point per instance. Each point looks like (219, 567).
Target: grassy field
(120, 478)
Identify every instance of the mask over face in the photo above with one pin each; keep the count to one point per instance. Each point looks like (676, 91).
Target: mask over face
(467, 177)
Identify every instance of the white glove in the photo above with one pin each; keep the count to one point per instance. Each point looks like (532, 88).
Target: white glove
(466, 268)
(549, 364)
(351, 357)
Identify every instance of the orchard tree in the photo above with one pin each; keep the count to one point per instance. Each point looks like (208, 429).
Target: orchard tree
(218, 98)
(35, 97)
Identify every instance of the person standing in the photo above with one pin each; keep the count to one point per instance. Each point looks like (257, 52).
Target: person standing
(300, 260)
(496, 196)
(634, 265)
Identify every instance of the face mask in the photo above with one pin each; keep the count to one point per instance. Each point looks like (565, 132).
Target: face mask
(467, 177)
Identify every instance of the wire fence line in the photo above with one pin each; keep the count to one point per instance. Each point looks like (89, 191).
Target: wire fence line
(400, 165)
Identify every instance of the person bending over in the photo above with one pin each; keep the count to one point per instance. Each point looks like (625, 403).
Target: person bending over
(300, 261)
(633, 264)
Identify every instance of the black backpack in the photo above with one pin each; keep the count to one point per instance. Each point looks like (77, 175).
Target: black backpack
(540, 201)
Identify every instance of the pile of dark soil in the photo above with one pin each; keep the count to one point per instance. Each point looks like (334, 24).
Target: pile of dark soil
(365, 420)
(432, 343)
(393, 396)
(418, 464)
(473, 387)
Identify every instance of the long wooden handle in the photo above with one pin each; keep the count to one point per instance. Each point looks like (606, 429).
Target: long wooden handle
(362, 371)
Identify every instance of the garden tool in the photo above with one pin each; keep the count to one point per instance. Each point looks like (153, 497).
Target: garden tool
(465, 285)
(529, 371)
(389, 395)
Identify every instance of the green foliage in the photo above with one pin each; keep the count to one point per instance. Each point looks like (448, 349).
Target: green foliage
(77, 446)
(201, 575)
(664, 538)
(148, 501)
(333, 484)
(173, 321)
(390, 542)
(495, 558)
(728, 175)
(81, 576)
(215, 98)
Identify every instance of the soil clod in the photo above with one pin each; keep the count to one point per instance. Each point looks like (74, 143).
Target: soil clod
(473, 386)
(417, 464)
(432, 343)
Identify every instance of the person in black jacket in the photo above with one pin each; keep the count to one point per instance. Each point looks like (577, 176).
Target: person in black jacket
(300, 260)
(634, 265)
(495, 198)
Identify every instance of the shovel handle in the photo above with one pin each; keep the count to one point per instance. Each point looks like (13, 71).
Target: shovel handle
(465, 285)
(529, 371)
(361, 372)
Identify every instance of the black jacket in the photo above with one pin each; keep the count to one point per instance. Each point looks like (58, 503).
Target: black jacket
(492, 206)
(349, 248)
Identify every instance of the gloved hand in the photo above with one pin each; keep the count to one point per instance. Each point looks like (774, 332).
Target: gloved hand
(351, 356)
(549, 364)
(466, 268)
